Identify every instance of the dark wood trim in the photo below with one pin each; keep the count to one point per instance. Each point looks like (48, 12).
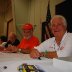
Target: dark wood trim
(8, 26)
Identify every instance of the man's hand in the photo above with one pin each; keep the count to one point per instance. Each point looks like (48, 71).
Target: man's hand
(13, 49)
(1, 48)
(34, 53)
(25, 51)
(10, 49)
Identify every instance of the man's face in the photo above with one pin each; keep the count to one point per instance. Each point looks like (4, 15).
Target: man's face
(28, 33)
(58, 27)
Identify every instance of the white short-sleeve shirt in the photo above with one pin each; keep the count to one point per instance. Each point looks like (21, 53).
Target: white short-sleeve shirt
(65, 48)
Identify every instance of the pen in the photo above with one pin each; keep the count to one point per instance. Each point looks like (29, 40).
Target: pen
(39, 58)
(5, 67)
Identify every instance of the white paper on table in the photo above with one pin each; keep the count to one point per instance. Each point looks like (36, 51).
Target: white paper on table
(12, 65)
(46, 65)
(14, 60)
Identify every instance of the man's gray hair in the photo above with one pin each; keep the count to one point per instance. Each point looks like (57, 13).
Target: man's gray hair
(61, 17)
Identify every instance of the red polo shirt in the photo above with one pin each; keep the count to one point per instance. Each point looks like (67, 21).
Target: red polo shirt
(33, 41)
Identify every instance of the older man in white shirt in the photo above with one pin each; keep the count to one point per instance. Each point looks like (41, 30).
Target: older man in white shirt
(58, 46)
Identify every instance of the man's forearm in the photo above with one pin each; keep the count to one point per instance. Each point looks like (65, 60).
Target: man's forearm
(52, 54)
(26, 51)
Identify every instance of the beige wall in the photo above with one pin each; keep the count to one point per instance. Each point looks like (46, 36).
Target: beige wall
(8, 17)
(33, 11)
(2, 16)
(38, 15)
(5, 16)
(22, 11)
(38, 10)
(1, 24)
(20, 14)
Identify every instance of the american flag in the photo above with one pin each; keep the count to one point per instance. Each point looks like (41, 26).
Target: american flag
(46, 32)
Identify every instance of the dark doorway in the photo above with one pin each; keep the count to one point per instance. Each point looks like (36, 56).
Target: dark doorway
(64, 9)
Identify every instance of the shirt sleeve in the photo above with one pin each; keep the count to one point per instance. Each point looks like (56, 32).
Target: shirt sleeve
(45, 46)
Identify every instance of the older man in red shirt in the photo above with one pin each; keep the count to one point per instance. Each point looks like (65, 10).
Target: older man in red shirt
(29, 41)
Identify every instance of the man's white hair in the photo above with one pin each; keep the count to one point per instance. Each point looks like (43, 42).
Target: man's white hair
(61, 17)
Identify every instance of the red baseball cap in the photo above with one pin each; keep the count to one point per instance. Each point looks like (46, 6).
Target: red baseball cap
(27, 26)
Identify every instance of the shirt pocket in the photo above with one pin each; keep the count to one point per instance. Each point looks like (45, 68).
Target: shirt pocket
(51, 48)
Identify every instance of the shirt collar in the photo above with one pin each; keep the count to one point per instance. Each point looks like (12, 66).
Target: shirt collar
(64, 36)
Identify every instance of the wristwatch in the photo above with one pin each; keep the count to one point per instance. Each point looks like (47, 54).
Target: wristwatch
(19, 50)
